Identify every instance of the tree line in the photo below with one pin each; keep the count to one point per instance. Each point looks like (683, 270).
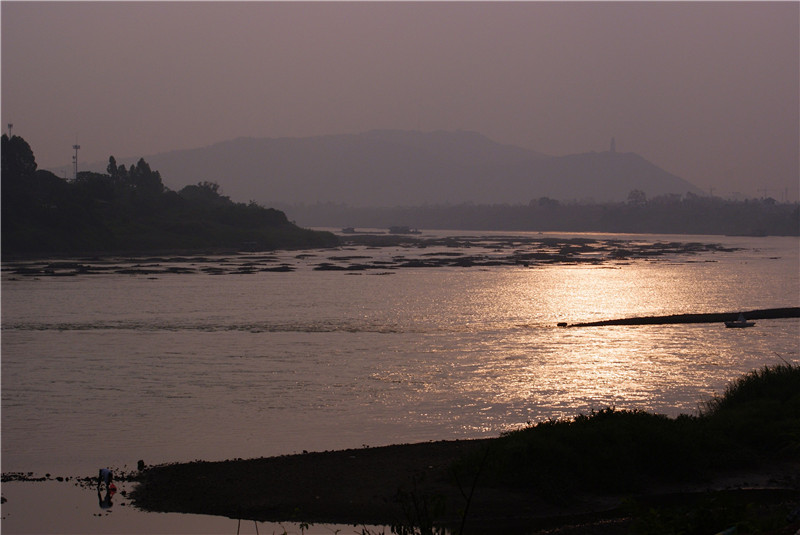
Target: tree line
(129, 210)
(665, 214)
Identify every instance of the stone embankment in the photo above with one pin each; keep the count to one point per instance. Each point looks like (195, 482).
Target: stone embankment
(713, 317)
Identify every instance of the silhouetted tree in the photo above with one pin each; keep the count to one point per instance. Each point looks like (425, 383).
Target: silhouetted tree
(18, 160)
(145, 182)
(96, 186)
(547, 202)
(112, 168)
(18, 169)
(637, 197)
(18, 184)
(204, 193)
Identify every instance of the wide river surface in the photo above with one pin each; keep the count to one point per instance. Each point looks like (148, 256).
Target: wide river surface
(174, 359)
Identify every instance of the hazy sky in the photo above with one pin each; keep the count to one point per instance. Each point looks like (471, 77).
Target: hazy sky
(707, 91)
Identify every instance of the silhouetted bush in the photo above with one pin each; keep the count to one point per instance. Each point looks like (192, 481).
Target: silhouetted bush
(756, 420)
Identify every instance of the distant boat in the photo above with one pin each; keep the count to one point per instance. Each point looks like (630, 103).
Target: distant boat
(739, 323)
(348, 230)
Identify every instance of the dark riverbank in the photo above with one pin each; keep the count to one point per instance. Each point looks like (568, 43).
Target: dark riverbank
(130, 209)
(394, 484)
(348, 485)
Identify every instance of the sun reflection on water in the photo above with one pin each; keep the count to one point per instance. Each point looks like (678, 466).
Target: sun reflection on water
(522, 366)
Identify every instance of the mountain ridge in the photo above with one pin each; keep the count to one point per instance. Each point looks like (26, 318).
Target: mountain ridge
(405, 167)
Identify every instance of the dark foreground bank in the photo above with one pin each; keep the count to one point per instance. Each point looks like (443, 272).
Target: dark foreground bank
(736, 464)
(413, 485)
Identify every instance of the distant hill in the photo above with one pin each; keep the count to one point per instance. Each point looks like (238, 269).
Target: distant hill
(406, 168)
(601, 176)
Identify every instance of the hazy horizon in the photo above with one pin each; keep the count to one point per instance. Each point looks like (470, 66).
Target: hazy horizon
(707, 91)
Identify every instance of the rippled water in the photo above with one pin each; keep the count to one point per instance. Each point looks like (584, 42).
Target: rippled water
(108, 368)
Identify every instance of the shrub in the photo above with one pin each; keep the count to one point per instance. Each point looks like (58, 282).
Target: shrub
(757, 418)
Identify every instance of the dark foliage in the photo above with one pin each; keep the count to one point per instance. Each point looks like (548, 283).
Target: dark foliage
(666, 214)
(129, 210)
(756, 420)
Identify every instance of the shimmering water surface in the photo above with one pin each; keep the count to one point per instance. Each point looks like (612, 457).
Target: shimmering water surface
(107, 367)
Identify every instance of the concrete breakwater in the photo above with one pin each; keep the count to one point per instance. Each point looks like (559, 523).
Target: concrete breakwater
(712, 317)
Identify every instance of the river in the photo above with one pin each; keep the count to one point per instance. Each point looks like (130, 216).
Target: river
(169, 359)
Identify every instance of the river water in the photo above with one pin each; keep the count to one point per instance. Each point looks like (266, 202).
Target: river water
(175, 359)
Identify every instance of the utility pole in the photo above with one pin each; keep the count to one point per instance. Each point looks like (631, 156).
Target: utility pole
(75, 159)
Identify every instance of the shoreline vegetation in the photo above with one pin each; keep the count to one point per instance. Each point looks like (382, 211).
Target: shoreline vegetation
(734, 465)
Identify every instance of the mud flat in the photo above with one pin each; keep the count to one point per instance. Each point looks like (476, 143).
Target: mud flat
(364, 253)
